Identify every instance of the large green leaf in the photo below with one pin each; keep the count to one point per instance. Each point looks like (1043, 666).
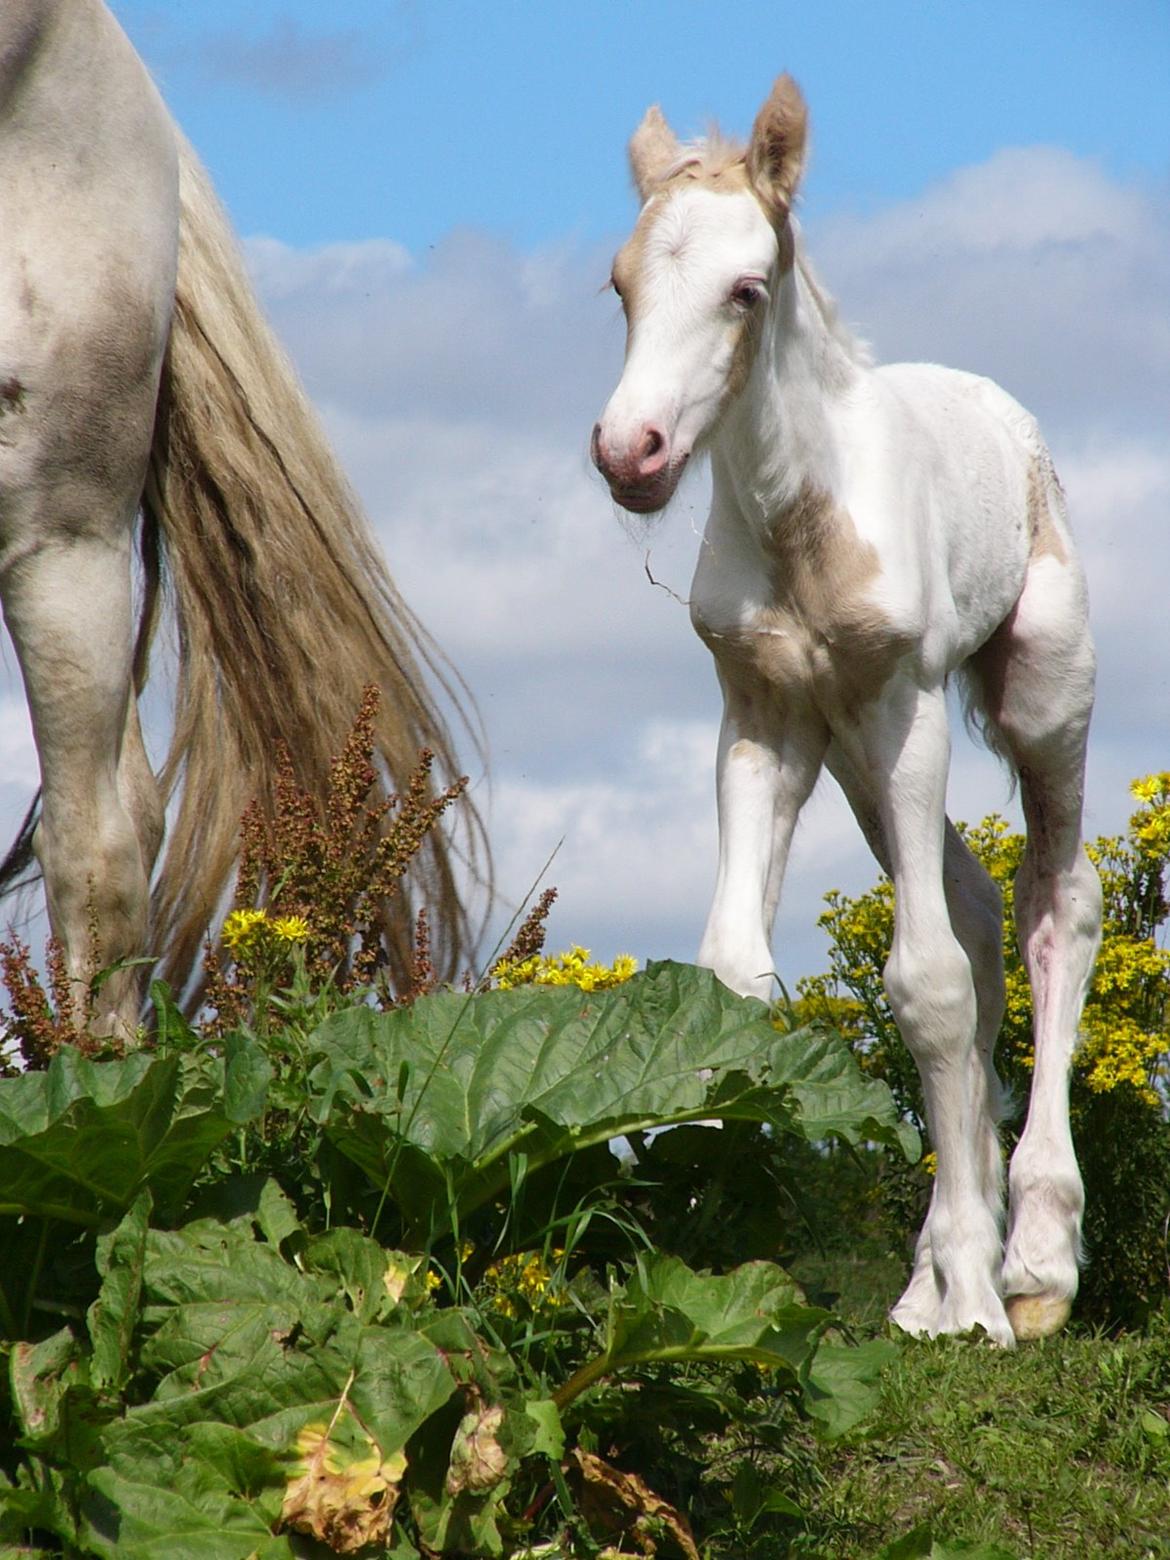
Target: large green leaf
(236, 1334)
(80, 1140)
(432, 1100)
(114, 1314)
(245, 1362)
(211, 1494)
(841, 1382)
(755, 1312)
(668, 1313)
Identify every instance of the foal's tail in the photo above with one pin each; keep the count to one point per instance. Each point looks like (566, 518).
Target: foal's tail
(284, 608)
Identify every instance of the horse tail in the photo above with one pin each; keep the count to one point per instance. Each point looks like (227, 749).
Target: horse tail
(283, 608)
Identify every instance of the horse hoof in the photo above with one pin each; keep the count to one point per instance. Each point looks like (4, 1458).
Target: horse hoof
(1036, 1316)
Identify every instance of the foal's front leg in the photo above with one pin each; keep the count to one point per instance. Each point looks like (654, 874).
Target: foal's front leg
(905, 744)
(767, 765)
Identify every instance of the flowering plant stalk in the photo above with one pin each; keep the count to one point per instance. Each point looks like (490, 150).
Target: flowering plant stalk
(314, 887)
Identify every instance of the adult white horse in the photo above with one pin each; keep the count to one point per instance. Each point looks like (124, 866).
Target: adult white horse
(873, 531)
(138, 378)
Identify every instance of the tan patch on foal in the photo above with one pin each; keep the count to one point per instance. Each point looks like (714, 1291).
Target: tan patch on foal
(1046, 539)
(820, 633)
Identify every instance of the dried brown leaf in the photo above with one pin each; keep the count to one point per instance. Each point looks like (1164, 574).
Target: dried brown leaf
(619, 1502)
(345, 1504)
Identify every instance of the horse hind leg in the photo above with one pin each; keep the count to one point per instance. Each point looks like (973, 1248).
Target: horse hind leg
(68, 607)
(975, 909)
(1037, 683)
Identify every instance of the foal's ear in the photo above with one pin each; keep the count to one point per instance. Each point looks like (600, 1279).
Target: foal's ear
(775, 154)
(654, 149)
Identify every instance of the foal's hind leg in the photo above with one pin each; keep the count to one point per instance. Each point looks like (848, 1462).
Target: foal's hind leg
(902, 744)
(975, 909)
(1038, 680)
(67, 604)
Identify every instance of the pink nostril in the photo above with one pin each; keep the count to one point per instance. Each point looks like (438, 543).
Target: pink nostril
(652, 451)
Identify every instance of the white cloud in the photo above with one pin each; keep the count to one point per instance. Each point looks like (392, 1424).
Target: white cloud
(1021, 200)
(1033, 268)
(636, 844)
(1119, 495)
(288, 62)
(280, 271)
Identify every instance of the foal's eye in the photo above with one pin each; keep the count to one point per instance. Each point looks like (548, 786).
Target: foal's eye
(745, 295)
(613, 282)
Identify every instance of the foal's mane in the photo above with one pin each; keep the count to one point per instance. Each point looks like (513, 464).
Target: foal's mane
(856, 350)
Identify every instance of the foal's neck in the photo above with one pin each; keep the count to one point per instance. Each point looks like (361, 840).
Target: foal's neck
(778, 440)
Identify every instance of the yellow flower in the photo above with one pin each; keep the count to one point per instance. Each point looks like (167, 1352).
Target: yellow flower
(242, 927)
(291, 928)
(571, 968)
(1151, 788)
(526, 1276)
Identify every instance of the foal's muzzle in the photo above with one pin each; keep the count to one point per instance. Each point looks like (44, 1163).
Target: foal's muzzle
(641, 476)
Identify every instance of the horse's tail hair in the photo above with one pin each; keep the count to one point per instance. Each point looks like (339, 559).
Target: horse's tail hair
(284, 610)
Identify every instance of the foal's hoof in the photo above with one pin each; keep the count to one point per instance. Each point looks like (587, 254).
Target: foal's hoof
(1036, 1316)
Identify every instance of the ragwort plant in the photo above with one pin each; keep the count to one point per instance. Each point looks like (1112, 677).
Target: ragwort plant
(1121, 1073)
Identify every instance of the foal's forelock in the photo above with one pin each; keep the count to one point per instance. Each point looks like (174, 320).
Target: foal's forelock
(717, 160)
(718, 167)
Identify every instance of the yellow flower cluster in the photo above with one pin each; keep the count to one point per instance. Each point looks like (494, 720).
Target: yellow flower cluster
(572, 968)
(291, 928)
(1126, 1018)
(1119, 1050)
(1150, 826)
(243, 927)
(523, 1276)
(246, 929)
(1151, 788)
(521, 1279)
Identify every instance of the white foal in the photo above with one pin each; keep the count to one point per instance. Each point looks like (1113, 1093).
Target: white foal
(872, 532)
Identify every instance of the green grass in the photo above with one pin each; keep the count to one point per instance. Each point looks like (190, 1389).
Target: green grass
(1056, 1449)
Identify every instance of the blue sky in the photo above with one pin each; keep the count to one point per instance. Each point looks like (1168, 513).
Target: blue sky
(406, 118)
(429, 195)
